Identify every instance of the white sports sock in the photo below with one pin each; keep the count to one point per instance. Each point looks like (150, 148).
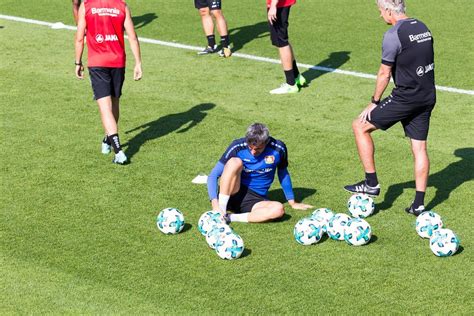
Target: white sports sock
(243, 218)
(223, 200)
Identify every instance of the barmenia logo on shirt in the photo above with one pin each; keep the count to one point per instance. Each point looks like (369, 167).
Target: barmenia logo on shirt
(106, 11)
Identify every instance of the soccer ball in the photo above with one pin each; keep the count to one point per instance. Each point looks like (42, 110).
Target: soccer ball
(209, 219)
(170, 221)
(357, 232)
(360, 205)
(427, 223)
(230, 246)
(323, 216)
(308, 231)
(444, 242)
(336, 226)
(217, 231)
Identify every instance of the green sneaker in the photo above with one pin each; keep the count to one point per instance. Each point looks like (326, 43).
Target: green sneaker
(300, 80)
(285, 89)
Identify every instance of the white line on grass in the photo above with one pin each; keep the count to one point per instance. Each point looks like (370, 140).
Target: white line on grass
(246, 56)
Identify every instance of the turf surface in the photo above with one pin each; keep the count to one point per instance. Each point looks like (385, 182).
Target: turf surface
(78, 233)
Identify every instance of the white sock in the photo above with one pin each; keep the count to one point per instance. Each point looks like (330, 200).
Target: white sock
(223, 200)
(243, 218)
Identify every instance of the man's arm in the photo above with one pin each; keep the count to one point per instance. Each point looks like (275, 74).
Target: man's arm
(79, 43)
(212, 184)
(285, 181)
(383, 79)
(75, 9)
(134, 44)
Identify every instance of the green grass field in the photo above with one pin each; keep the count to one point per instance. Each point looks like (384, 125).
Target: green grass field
(78, 234)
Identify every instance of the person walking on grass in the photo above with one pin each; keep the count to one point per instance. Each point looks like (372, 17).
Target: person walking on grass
(408, 56)
(105, 22)
(246, 171)
(278, 13)
(209, 9)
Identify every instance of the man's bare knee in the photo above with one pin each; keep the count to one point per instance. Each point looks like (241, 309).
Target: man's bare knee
(277, 210)
(216, 13)
(204, 12)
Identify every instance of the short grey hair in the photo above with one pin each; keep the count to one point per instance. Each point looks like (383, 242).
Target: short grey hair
(397, 6)
(257, 134)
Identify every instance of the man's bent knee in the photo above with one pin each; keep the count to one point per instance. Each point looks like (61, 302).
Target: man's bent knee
(276, 210)
(234, 164)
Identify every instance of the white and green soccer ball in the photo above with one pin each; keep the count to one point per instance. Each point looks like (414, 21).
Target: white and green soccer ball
(170, 221)
(230, 247)
(308, 231)
(336, 226)
(217, 232)
(360, 205)
(427, 223)
(444, 242)
(208, 220)
(357, 232)
(323, 216)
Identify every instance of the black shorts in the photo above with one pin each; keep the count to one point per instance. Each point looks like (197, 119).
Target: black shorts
(244, 200)
(279, 28)
(107, 81)
(415, 118)
(211, 4)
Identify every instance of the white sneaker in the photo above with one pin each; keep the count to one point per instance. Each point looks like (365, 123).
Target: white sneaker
(285, 88)
(106, 148)
(120, 158)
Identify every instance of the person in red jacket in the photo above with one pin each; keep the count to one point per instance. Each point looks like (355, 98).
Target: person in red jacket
(105, 22)
(278, 12)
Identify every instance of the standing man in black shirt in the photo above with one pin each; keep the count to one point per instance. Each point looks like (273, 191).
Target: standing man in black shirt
(407, 55)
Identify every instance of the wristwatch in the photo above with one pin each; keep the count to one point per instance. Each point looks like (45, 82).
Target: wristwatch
(376, 102)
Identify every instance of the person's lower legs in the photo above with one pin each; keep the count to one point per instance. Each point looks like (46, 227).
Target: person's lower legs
(286, 57)
(221, 26)
(207, 25)
(365, 144)
(421, 170)
(107, 116)
(229, 181)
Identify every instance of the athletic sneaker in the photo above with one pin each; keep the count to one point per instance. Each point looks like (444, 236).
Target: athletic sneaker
(120, 158)
(106, 148)
(208, 50)
(285, 88)
(415, 211)
(300, 80)
(225, 52)
(362, 187)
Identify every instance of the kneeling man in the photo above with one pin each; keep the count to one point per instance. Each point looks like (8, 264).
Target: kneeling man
(246, 171)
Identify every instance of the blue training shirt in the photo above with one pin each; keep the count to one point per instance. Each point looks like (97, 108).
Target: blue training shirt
(258, 171)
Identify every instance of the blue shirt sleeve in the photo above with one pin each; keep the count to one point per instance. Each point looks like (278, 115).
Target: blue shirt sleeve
(212, 180)
(285, 181)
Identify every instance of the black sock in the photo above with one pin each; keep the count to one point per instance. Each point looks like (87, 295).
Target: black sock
(290, 77)
(106, 140)
(211, 40)
(295, 69)
(371, 179)
(225, 41)
(115, 140)
(419, 199)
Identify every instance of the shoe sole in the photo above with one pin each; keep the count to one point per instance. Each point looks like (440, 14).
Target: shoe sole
(372, 195)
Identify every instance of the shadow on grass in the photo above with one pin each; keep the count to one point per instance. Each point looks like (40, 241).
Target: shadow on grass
(300, 194)
(334, 61)
(284, 218)
(373, 239)
(186, 227)
(444, 181)
(143, 20)
(180, 122)
(240, 36)
(246, 253)
(460, 250)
